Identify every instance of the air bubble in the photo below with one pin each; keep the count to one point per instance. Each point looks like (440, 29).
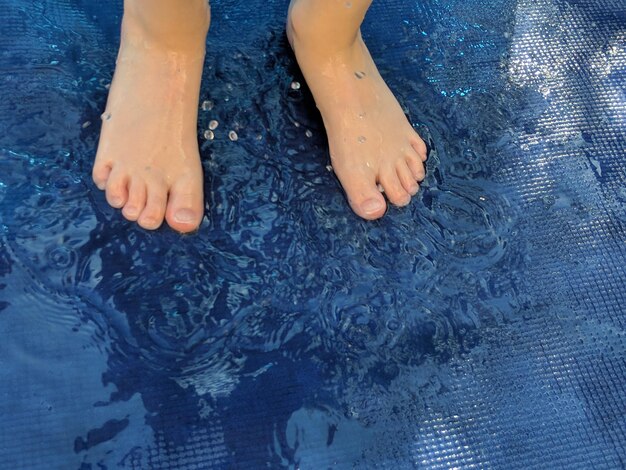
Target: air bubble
(329, 168)
(207, 105)
(86, 124)
(549, 200)
(232, 135)
(105, 116)
(308, 133)
(61, 257)
(470, 156)
(295, 85)
(213, 124)
(380, 188)
(209, 135)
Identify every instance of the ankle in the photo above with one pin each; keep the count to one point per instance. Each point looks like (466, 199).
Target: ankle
(164, 25)
(312, 24)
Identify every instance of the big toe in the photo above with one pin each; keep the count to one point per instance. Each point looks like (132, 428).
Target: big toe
(363, 194)
(185, 204)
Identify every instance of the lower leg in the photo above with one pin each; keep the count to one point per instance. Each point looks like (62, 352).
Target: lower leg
(334, 23)
(371, 142)
(148, 160)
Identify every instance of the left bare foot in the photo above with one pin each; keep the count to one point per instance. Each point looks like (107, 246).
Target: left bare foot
(370, 140)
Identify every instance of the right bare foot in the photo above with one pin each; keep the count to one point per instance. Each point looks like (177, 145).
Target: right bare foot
(148, 160)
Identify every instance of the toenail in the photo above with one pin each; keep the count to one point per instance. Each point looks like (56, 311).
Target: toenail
(116, 202)
(371, 206)
(414, 190)
(184, 216)
(149, 223)
(130, 210)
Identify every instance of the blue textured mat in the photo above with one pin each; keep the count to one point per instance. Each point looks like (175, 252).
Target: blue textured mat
(481, 327)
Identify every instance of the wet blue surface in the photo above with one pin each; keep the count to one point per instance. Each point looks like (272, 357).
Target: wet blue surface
(482, 326)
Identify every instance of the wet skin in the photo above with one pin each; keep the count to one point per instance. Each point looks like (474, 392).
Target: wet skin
(148, 160)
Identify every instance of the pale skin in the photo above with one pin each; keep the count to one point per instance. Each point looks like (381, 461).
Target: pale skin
(148, 161)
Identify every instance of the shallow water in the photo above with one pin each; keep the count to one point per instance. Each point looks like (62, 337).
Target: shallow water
(471, 327)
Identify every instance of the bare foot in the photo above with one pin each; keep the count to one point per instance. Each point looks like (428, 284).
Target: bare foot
(371, 142)
(148, 160)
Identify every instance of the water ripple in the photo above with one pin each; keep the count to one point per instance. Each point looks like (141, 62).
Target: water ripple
(282, 285)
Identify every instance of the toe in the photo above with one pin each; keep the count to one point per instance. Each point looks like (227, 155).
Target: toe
(405, 175)
(185, 206)
(117, 189)
(419, 146)
(394, 190)
(136, 199)
(100, 175)
(152, 215)
(416, 165)
(363, 195)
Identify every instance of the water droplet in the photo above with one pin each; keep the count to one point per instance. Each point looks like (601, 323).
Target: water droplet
(296, 123)
(362, 115)
(213, 124)
(105, 116)
(232, 135)
(360, 74)
(308, 133)
(86, 124)
(207, 105)
(295, 85)
(348, 4)
(362, 139)
(209, 135)
(329, 168)
(380, 188)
